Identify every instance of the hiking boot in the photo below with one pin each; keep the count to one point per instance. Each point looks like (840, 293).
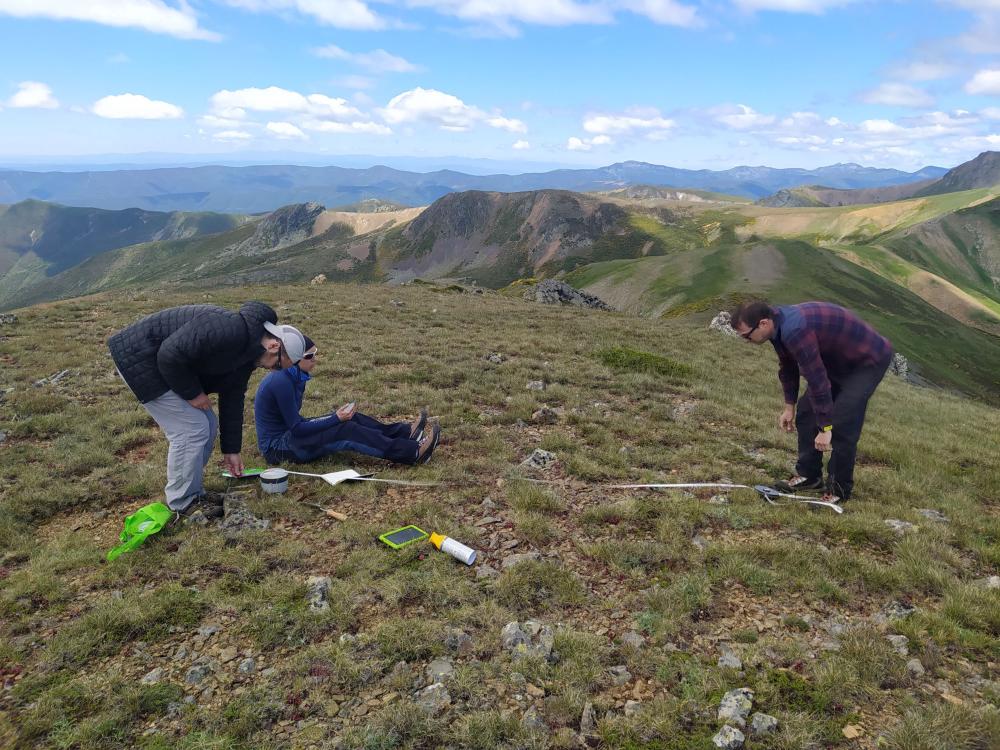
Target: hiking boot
(203, 506)
(798, 484)
(417, 428)
(213, 498)
(428, 444)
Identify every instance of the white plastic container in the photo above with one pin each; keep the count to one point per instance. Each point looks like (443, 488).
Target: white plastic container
(274, 481)
(457, 550)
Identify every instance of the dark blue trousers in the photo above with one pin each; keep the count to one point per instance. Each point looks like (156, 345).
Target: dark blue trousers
(361, 434)
(851, 393)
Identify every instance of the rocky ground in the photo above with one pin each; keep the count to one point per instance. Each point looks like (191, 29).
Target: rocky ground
(593, 616)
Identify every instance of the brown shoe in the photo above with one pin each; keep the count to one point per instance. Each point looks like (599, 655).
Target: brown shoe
(417, 428)
(428, 444)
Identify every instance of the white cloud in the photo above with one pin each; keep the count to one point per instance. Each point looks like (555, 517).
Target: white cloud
(586, 144)
(630, 123)
(667, 12)
(811, 140)
(503, 13)
(232, 135)
(986, 81)
(880, 127)
(33, 95)
(271, 99)
(377, 61)
(923, 70)
(359, 126)
(135, 107)
(235, 104)
(342, 14)
(329, 107)
(285, 130)
(792, 6)
(211, 121)
(990, 113)
(521, 145)
(315, 112)
(741, 117)
(898, 95)
(446, 111)
(509, 124)
(156, 16)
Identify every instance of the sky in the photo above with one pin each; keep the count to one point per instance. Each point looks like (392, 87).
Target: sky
(688, 83)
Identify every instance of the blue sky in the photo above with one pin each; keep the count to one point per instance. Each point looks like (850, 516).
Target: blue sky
(694, 84)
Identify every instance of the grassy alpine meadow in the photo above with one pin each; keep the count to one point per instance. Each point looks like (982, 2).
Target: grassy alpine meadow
(850, 631)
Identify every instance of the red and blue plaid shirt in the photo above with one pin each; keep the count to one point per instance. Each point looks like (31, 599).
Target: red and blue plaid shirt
(821, 341)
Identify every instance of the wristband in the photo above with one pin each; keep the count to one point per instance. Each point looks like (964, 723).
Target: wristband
(828, 428)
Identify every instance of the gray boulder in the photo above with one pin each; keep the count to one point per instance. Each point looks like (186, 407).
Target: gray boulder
(530, 638)
(539, 459)
(588, 720)
(723, 323)
(512, 561)
(154, 676)
(439, 670)
(318, 592)
(729, 738)
(434, 698)
(763, 724)
(735, 706)
(552, 292)
(239, 518)
(900, 366)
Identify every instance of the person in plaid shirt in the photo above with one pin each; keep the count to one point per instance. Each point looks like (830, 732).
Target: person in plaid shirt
(843, 359)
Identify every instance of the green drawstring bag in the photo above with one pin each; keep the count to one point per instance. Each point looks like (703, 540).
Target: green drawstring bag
(143, 523)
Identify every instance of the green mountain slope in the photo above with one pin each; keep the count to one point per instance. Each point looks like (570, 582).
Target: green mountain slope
(942, 349)
(983, 171)
(39, 240)
(963, 247)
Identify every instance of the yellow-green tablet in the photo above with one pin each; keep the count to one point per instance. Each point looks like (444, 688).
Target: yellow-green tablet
(401, 537)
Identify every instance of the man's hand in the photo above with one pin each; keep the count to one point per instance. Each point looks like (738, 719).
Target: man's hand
(233, 463)
(201, 402)
(786, 420)
(345, 412)
(823, 441)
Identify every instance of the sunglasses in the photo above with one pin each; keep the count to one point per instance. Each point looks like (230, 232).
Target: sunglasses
(310, 355)
(748, 333)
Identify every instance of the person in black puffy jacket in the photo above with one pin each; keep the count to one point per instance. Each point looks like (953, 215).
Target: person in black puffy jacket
(172, 360)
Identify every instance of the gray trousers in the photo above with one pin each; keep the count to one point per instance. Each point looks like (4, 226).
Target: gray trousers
(191, 433)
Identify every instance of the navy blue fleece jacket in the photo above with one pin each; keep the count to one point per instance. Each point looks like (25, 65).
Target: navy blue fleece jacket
(276, 409)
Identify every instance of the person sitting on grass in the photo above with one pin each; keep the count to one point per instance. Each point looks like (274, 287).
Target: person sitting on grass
(284, 435)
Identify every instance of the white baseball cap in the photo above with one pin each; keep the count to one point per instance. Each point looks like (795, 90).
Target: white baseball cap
(291, 338)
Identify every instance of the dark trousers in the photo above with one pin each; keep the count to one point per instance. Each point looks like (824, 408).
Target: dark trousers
(851, 393)
(361, 434)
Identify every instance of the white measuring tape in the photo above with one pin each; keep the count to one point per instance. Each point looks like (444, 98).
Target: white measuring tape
(768, 493)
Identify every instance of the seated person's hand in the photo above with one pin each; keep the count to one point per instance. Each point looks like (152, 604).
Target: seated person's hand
(345, 412)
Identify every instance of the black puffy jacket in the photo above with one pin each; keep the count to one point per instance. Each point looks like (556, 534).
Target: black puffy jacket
(195, 349)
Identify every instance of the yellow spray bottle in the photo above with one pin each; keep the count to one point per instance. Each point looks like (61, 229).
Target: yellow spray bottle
(457, 550)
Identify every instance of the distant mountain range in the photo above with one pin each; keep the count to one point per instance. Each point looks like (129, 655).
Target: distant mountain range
(259, 189)
(983, 171)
